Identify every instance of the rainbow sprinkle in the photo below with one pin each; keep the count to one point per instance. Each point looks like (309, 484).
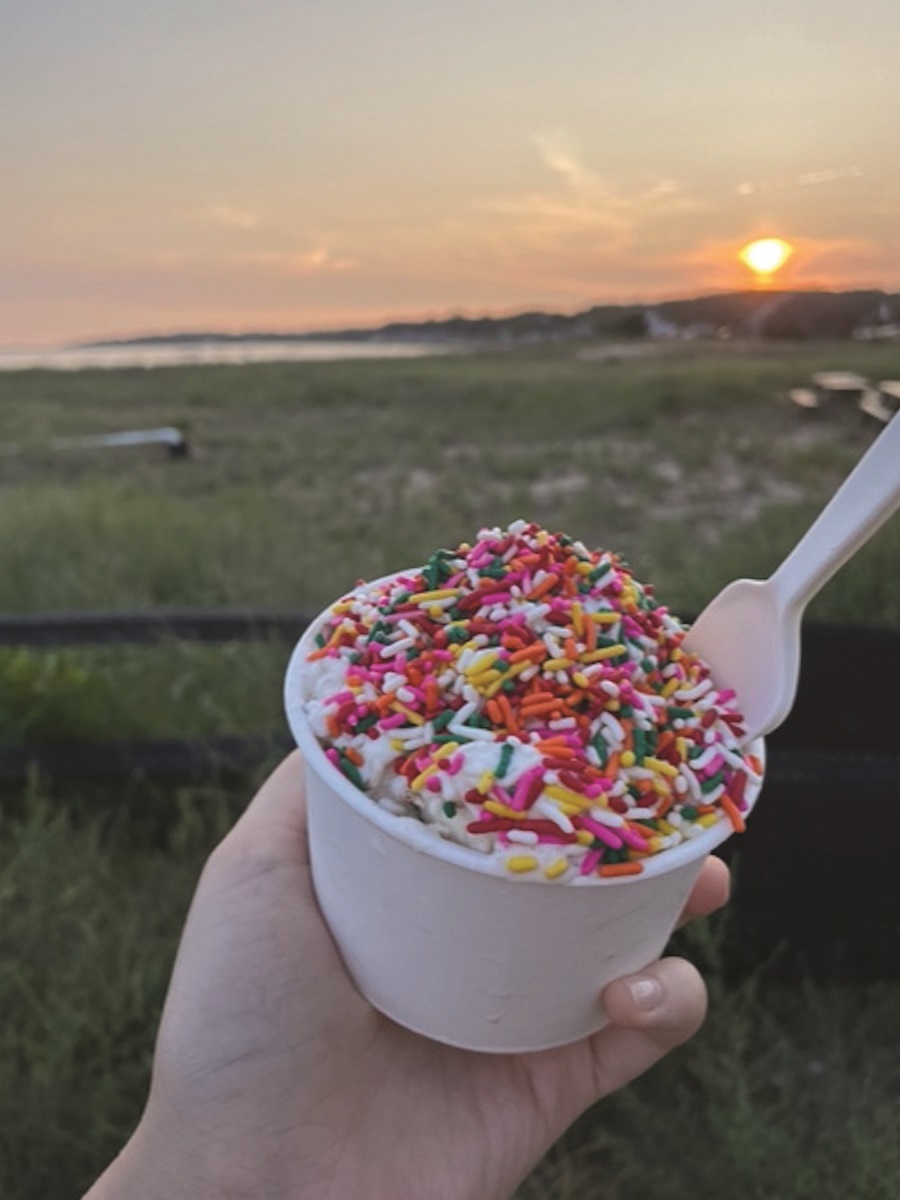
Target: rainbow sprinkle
(528, 698)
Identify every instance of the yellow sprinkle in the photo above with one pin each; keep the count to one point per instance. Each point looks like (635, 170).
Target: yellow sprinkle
(501, 810)
(578, 618)
(444, 751)
(408, 712)
(556, 868)
(606, 652)
(661, 788)
(481, 666)
(486, 678)
(667, 829)
(435, 612)
(605, 618)
(567, 796)
(556, 664)
(661, 767)
(671, 686)
(627, 758)
(584, 838)
(437, 594)
(655, 844)
(521, 863)
(584, 568)
(707, 820)
(340, 609)
(580, 680)
(485, 783)
(681, 745)
(419, 782)
(492, 689)
(677, 655)
(397, 745)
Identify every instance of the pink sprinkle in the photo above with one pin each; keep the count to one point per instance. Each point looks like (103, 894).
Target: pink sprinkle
(605, 835)
(501, 794)
(433, 783)
(714, 766)
(333, 757)
(454, 764)
(589, 862)
(630, 838)
(392, 722)
(522, 790)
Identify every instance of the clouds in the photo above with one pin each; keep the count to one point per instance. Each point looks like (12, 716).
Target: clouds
(226, 216)
(805, 179)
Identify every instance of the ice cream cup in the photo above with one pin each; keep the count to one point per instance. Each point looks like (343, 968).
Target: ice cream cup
(444, 941)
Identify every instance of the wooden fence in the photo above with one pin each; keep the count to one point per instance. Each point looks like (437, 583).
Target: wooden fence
(817, 870)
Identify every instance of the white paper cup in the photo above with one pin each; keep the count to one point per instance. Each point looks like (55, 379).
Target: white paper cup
(444, 941)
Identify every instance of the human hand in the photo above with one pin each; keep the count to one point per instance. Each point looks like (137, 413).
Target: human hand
(274, 1079)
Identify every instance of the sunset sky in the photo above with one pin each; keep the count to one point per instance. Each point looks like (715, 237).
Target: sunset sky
(263, 164)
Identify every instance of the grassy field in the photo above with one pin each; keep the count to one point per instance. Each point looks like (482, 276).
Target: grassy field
(307, 477)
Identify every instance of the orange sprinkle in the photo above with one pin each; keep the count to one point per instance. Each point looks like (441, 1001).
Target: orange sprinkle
(755, 763)
(354, 755)
(665, 804)
(733, 813)
(493, 710)
(571, 648)
(666, 739)
(623, 868)
(590, 634)
(545, 586)
(432, 694)
(539, 704)
(611, 770)
(317, 654)
(509, 717)
(534, 653)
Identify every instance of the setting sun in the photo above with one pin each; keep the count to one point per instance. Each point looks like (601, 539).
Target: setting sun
(766, 256)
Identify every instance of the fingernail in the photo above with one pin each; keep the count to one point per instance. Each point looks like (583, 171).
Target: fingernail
(646, 992)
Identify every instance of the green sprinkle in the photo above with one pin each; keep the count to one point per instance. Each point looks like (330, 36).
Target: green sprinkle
(689, 812)
(442, 720)
(679, 712)
(602, 749)
(505, 757)
(449, 809)
(366, 723)
(443, 738)
(598, 572)
(351, 772)
(640, 745)
(320, 640)
(709, 785)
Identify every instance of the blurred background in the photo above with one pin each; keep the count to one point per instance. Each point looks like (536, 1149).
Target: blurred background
(292, 295)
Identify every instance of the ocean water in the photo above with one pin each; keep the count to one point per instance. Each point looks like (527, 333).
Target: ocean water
(178, 354)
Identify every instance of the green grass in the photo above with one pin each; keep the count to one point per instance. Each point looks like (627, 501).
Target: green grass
(308, 476)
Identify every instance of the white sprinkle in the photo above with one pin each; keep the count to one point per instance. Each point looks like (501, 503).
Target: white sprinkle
(548, 809)
(525, 837)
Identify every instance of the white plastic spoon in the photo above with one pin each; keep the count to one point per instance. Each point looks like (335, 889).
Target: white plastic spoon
(750, 633)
